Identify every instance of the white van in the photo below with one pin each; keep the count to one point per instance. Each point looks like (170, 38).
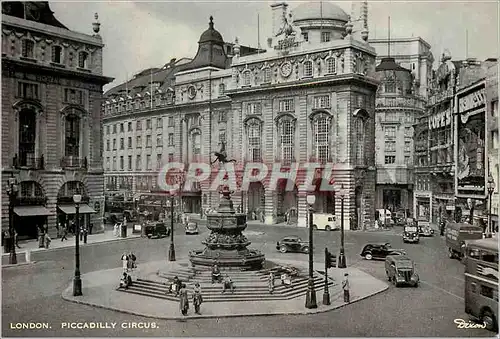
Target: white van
(385, 216)
(324, 221)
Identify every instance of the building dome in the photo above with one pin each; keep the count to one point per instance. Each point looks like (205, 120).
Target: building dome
(317, 10)
(211, 34)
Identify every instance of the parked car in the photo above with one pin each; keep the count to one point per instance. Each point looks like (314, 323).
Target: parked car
(400, 270)
(380, 251)
(156, 229)
(425, 231)
(292, 244)
(457, 234)
(191, 228)
(410, 234)
(324, 221)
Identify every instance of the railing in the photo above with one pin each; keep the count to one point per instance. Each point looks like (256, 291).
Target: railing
(69, 200)
(29, 162)
(74, 162)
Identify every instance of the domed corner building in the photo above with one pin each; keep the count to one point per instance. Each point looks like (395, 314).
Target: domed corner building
(398, 105)
(308, 98)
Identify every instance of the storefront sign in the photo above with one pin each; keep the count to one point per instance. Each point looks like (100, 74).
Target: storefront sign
(471, 101)
(440, 119)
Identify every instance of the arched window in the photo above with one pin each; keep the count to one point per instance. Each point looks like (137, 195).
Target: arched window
(254, 141)
(27, 137)
(286, 138)
(321, 137)
(268, 74)
(57, 54)
(308, 68)
(331, 67)
(72, 135)
(195, 144)
(360, 141)
(30, 189)
(28, 49)
(246, 78)
(83, 59)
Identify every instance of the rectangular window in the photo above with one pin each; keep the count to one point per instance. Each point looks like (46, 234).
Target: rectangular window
(114, 129)
(121, 163)
(27, 91)
(391, 117)
(149, 141)
(390, 132)
(129, 142)
(408, 132)
(407, 146)
(158, 161)
(390, 87)
(222, 137)
(138, 142)
(305, 35)
(390, 159)
(148, 124)
(83, 59)
(73, 96)
(222, 117)
(114, 144)
(57, 54)
(108, 164)
(159, 123)
(170, 157)
(325, 36)
(407, 160)
(390, 146)
(159, 140)
(122, 143)
(254, 108)
(28, 49)
(129, 127)
(107, 130)
(286, 105)
(122, 129)
(148, 161)
(129, 162)
(171, 122)
(138, 163)
(171, 139)
(138, 125)
(222, 89)
(114, 163)
(246, 78)
(322, 101)
(107, 145)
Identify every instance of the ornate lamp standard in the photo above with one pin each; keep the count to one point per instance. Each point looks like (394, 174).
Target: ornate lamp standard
(311, 292)
(342, 261)
(171, 251)
(77, 282)
(491, 188)
(12, 191)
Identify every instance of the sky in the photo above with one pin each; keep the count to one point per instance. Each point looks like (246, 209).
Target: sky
(139, 35)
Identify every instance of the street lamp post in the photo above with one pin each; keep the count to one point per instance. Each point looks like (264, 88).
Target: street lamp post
(491, 189)
(77, 281)
(342, 261)
(470, 204)
(171, 251)
(311, 292)
(13, 189)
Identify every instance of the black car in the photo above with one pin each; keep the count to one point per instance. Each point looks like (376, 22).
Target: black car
(156, 229)
(292, 244)
(379, 251)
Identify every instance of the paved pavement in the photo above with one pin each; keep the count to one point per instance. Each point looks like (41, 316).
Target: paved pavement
(33, 292)
(100, 291)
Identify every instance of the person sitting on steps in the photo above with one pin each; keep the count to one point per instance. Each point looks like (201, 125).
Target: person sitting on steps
(227, 284)
(175, 286)
(216, 274)
(125, 281)
(286, 279)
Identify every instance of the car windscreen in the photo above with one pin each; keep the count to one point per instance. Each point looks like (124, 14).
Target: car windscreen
(410, 229)
(404, 264)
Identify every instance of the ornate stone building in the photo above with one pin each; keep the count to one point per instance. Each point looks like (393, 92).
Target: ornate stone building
(51, 118)
(310, 97)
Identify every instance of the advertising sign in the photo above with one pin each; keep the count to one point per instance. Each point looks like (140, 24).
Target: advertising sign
(470, 158)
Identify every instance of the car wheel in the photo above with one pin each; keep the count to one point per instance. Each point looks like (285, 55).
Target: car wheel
(306, 249)
(489, 320)
(149, 236)
(328, 228)
(451, 254)
(283, 249)
(388, 276)
(368, 256)
(315, 227)
(416, 284)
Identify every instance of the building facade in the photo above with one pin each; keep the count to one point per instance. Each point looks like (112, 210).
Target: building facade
(398, 105)
(51, 119)
(310, 97)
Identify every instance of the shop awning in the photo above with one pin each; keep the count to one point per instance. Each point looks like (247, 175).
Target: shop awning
(31, 211)
(70, 209)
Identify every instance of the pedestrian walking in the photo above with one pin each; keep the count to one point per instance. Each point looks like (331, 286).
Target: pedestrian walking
(271, 282)
(345, 287)
(183, 300)
(131, 261)
(48, 240)
(124, 260)
(197, 298)
(16, 239)
(116, 230)
(81, 233)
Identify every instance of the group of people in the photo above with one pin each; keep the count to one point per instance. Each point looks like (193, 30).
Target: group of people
(179, 289)
(226, 281)
(128, 265)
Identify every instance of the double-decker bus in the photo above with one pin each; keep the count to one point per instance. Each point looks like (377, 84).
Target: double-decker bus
(481, 281)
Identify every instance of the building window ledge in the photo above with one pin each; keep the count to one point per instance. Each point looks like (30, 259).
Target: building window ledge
(84, 70)
(55, 64)
(29, 59)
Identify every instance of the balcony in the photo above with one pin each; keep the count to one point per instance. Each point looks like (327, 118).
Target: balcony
(70, 162)
(28, 162)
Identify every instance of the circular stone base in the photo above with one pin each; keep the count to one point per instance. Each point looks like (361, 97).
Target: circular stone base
(248, 259)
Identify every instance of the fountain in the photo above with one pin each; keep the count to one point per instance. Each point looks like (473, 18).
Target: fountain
(226, 246)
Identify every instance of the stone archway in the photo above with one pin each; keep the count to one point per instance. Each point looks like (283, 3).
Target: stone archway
(255, 198)
(287, 203)
(30, 213)
(325, 200)
(66, 209)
